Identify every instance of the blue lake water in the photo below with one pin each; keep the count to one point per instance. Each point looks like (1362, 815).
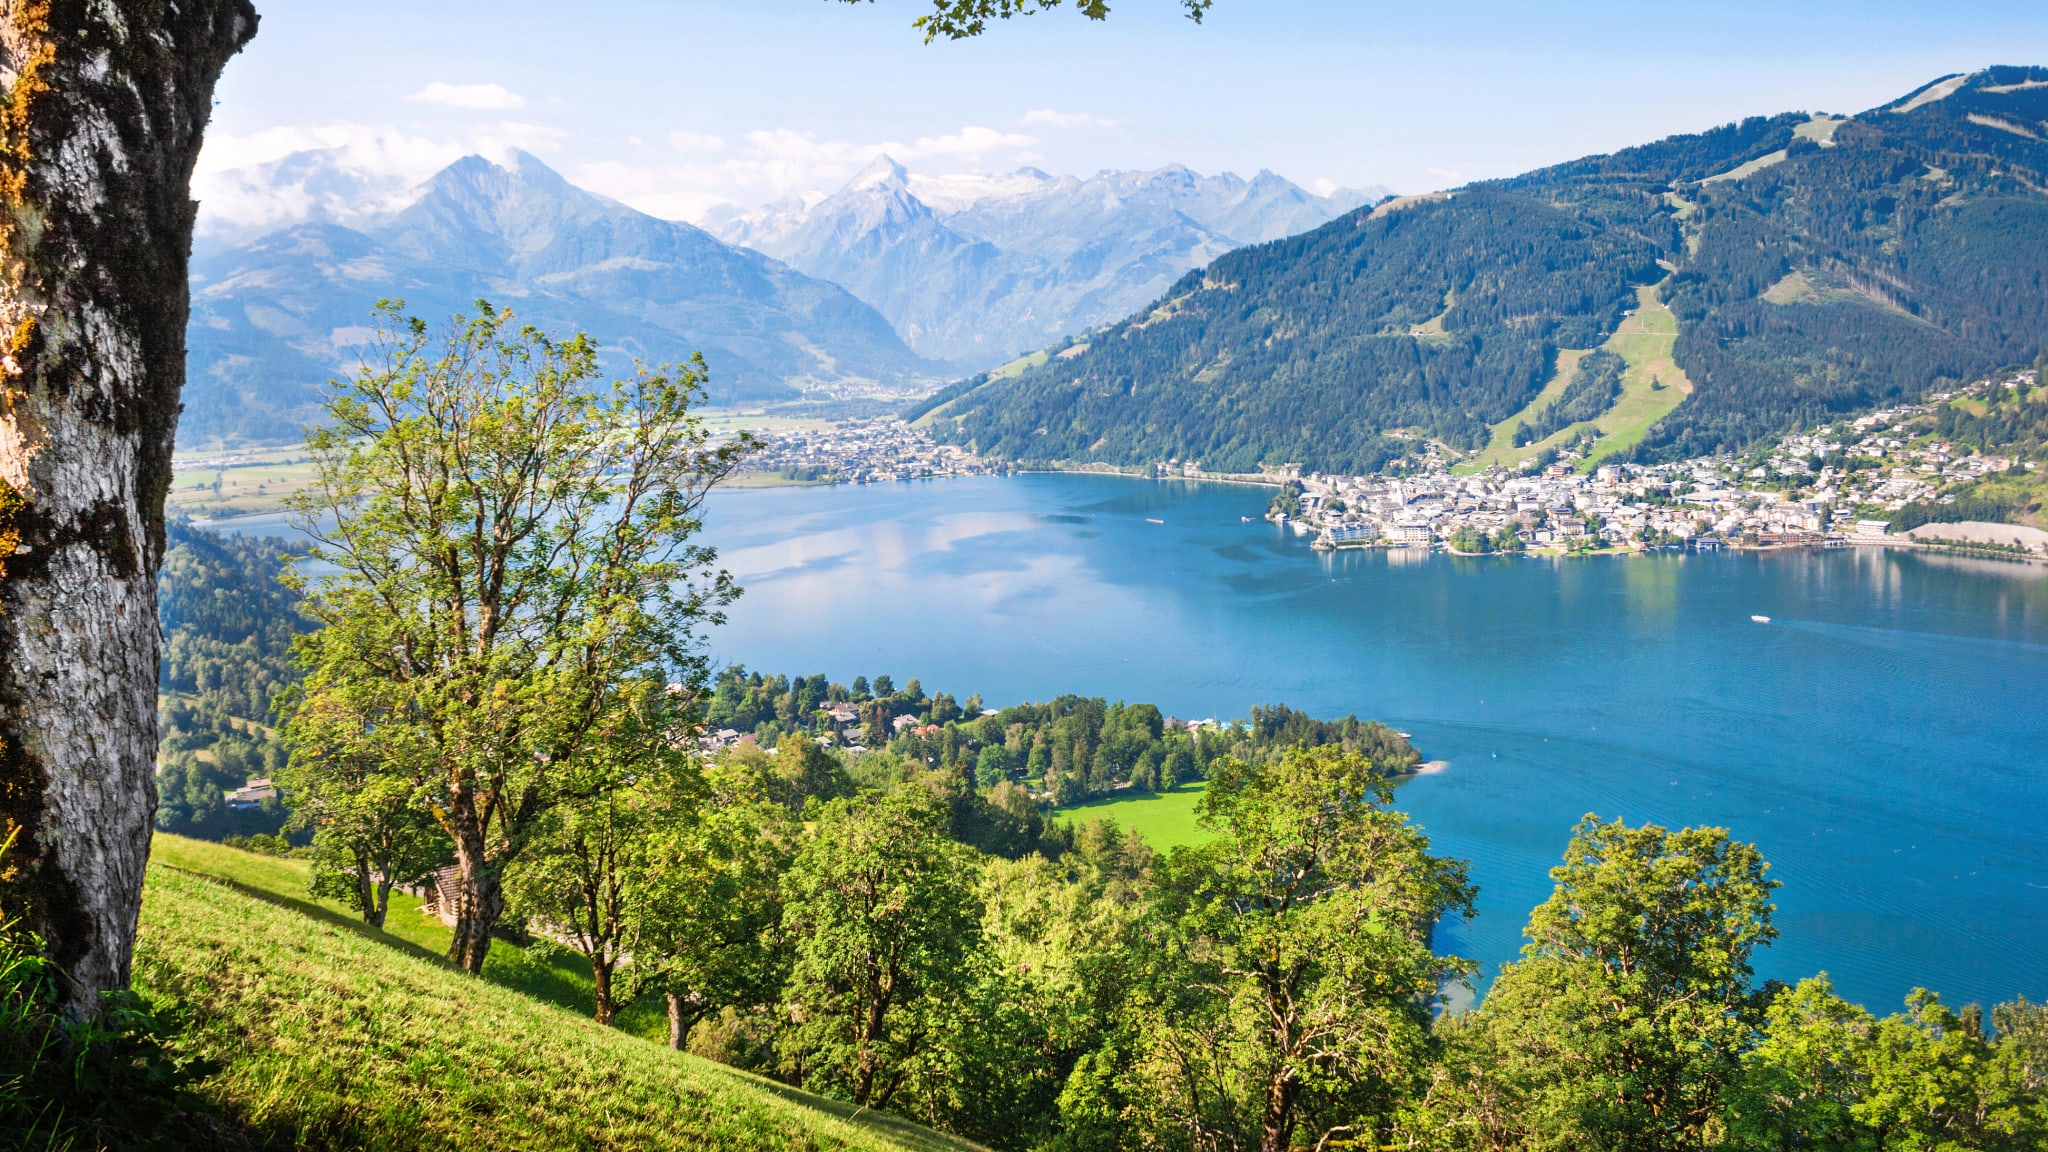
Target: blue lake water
(1884, 739)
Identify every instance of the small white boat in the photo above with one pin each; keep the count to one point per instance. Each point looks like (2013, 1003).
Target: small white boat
(1150, 520)
(1761, 619)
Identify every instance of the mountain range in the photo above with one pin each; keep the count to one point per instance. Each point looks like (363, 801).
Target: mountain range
(276, 316)
(977, 272)
(1814, 266)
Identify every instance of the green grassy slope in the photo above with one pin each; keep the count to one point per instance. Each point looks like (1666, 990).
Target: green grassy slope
(1645, 340)
(329, 1037)
(559, 977)
(1500, 445)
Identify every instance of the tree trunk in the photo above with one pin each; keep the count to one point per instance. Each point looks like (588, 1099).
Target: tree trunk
(678, 1024)
(104, 109)
(366, 894)
(479, 902)
(601, 989)
(1276, 1127)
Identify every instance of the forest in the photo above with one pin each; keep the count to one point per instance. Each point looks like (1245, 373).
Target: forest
(1067, 749)
(1879, 260)
(228, 623)
(1594, 387)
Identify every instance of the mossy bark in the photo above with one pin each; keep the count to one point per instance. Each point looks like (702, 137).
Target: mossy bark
(100, 124)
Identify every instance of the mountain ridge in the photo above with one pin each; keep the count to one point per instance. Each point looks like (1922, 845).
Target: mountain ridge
(1339, 347)
(1014, 262)
(275, 317)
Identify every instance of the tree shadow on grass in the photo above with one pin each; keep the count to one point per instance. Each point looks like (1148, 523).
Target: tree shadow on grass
(313, 911)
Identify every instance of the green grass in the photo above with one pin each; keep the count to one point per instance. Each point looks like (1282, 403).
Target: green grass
(1645, 341)
(1164, 819)
(554, 975)
(245, 489)
(327, 1036)
(1749, 169)
(1500, 447)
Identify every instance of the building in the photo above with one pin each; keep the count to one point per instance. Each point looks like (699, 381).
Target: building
(1349, 534)
(252, 794)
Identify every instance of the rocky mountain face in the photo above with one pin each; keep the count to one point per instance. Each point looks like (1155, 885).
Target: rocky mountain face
(977, 275)
(276, 316)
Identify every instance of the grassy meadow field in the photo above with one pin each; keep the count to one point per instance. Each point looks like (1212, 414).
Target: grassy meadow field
(324, 1034)
(1164, 819)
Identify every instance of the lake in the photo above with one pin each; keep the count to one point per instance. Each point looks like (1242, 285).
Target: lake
(1883, 739)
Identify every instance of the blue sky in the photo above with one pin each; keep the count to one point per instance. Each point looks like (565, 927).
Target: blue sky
(678, 105)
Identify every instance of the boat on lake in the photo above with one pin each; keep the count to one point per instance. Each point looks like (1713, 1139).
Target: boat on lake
(1761, 619)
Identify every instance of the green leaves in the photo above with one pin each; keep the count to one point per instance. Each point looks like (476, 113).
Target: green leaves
(510, 579)
(1298, 972)
(963, 19)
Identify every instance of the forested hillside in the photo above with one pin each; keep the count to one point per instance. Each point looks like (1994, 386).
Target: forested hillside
(228, 626)
(1816, 266)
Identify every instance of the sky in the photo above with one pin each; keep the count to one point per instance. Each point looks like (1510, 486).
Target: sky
(679, 106)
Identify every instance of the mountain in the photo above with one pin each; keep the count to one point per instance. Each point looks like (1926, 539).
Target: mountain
(1814, 266)
(275, 317)
(978, 270)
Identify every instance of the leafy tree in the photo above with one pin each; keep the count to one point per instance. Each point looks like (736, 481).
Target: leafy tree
(1935, 1081)
(2023, 1025)
(705, 927)
(1622, 1025)
(370, 831)
(584, 872)
(992, 767)
(804, 771)
(880, 901)
(1294, 1000)
(961, 19)
(510, 567)
(1800, 1083)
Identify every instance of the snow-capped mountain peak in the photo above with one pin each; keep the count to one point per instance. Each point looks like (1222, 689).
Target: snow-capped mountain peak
(977, 267)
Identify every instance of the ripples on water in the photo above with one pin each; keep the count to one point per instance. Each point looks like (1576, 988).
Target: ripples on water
(1882, 739)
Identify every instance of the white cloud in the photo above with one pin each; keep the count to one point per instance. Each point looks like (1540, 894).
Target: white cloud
(1048, 118)
(485, 97)
(773, 163)
(1322, 186)
(374, 166)
(694, 142)
(244, 183)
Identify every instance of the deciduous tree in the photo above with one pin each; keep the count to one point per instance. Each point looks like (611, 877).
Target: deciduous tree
(1299, 975)
(705, 925)
(1623, 1024)
(881, 903)
(371, 830)
(513, 571)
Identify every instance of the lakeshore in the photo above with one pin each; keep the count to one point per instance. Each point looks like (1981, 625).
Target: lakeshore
(1878, 738)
